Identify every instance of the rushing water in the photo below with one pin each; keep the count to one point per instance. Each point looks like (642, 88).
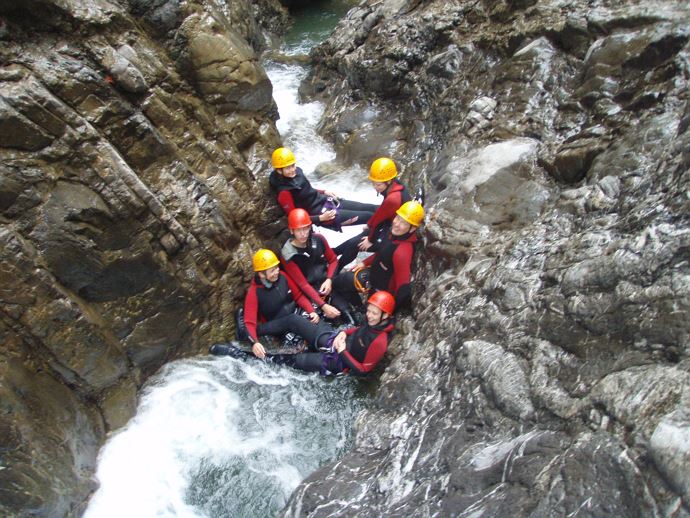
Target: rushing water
(220, 437)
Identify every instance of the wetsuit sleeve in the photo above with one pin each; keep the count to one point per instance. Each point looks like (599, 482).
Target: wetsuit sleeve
(296, 275)
(400, 281)
(330, 257)
(251, 313)
(286, 201)
(298, 296)
(375, 352)
(385, 212)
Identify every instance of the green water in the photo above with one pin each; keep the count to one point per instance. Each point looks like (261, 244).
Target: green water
(314, 23)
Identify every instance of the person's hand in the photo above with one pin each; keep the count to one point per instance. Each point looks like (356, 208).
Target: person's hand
(339, 342)
(314, 317)
(331, 194)
(326, 287)
(327, 216)
(364, 244)
(259, 350)
(330, 311)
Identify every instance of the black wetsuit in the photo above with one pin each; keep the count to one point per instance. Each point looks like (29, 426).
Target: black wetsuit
(389, 269)
(298, 192)
(379, 224)
(365, 347)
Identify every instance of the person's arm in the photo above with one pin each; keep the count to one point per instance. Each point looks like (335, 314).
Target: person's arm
(286, 201)
(295, 274)
(298, 296)
(375, 352)
(251, 313)
(400, 281)
(330, 256)
(385, 212)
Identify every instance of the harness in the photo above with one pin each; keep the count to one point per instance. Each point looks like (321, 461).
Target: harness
(362, 279)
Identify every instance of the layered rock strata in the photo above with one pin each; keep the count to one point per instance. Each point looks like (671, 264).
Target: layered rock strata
(545, 369)
(132, 138)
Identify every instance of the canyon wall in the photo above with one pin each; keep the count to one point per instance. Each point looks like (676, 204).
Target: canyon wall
(133, 146)
(545, 368)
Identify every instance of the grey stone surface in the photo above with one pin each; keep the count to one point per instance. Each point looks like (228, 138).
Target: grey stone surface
(544, 371)
(124, 188)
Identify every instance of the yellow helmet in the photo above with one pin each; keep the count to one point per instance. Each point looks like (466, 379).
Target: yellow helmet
(382, 170)
(282, 157)
(264, 259)
(412, 212)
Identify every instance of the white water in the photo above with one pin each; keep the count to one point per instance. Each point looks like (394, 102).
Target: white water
(220, 437)
(223, 437)
(297, 125)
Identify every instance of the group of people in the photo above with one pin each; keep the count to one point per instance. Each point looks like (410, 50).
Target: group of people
(310, 288)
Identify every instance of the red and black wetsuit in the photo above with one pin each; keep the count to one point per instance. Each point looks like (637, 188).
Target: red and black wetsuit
(297, 192)
(265, 305)
(364, 349)
(310, 266)
(393, 197)
(366, 346)
(390, 267)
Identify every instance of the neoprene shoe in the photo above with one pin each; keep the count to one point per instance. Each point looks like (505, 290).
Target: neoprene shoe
(240, 327)
(227, 350)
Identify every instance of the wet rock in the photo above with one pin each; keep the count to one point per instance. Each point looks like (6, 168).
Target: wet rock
(16, 131)
(50, 439)
(554, 155)
(497, 186)
(573, 160)
(124, 193)
(639, 397)
(223, 66)
(669, 447)
(503, 377)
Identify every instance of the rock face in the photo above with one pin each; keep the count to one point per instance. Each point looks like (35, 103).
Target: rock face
(545, 370)
(132, 138)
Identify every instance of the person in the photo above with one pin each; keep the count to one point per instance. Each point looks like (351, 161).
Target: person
(356, 350)
(270, 302)
(390, 267)
(293, 190)
(383, 175)
(310, 262)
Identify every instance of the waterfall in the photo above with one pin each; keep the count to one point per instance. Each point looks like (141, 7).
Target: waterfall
(217, 436)
(223, 437)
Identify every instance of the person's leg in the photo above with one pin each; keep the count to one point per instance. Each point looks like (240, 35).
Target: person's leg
(338, 301)
(296, 324)
(348, 250)
(358, 206)
(309, 362)
(344, 284)
(348, 217)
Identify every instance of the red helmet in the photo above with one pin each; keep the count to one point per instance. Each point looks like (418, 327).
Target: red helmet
(298, 218)
(384, 301)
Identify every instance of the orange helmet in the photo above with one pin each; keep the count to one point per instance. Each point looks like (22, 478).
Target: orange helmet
(384, 301)
(298, 218)
(282, 157)
(264, 259)
(382, 170)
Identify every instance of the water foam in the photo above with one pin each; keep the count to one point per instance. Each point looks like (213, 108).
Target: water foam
(222, 437)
